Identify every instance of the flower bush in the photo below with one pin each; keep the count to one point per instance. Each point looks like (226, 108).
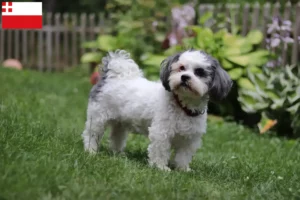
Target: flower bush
(275, 93)
(279, 37)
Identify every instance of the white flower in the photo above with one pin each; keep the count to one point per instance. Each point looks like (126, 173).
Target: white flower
(288, 40)
(275, 42)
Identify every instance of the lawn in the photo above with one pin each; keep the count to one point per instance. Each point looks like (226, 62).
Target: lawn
(41, 152)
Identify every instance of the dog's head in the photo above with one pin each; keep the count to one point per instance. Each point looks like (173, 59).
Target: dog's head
(196, 74)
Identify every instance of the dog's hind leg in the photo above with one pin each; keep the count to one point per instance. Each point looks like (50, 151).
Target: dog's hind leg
(118, 137)
(159, 149)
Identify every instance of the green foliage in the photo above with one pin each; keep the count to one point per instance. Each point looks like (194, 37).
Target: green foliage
(138, 27)
(91, 57)
(102, 44)
(274, 92)
(235, 53)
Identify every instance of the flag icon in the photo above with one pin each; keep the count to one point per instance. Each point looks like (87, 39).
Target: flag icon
(22, 15)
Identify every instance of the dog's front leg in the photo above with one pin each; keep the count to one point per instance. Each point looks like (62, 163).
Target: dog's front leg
(184, 151)
(159, 148)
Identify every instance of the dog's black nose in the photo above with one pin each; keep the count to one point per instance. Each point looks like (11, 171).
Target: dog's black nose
(185, 78)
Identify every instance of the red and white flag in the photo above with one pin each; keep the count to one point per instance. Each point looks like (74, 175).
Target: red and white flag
(22, 15)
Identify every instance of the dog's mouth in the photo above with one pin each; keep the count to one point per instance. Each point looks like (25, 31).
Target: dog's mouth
(186, 86)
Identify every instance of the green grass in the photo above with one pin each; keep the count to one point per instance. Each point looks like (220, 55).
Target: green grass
(41, 153)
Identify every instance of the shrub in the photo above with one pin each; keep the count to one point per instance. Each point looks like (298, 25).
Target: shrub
(137, 26)
(279, 37)
(275, 94)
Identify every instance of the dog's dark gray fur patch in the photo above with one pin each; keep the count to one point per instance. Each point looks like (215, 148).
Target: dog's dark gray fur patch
(96, 89)
(166, 70)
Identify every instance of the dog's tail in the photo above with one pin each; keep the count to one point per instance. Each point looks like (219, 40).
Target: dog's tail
(119, 65)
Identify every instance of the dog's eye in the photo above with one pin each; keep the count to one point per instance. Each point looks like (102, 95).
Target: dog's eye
(181, 68)
(200, 72)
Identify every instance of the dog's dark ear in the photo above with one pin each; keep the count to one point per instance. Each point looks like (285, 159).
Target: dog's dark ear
(166, 70)
(221, 83)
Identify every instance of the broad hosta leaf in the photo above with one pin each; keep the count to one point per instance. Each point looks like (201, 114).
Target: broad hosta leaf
(248, 108)
(235, 73)
(246, 84)
(288, 89)
(294, 109)
(91, 57)
(277, 103)
(90, 44)
(250, 104)
(255, 70)
(283, 80)
(239, 60)
(272, 95)
(246, 99)
(226, 64)
(293, 98)
(290, 74)
(261, 78)
(246, 47)
(255, 37)
(172, 50)
(238, 49)
(298, 89)
(154, 60)
(257, 58)
(233, 40)
(233, 51)
(107, 42)
(205, 38)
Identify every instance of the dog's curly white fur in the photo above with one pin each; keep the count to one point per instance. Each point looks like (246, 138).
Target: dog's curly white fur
(171, 113)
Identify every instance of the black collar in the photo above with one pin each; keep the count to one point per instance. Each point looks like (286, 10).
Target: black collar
(189, 112)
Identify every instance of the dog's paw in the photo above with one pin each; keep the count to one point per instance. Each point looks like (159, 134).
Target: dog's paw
(91, 151)
(160, 167)
(164, 168)
(185, 169)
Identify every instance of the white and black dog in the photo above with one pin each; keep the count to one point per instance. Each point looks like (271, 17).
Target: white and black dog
(171, 113)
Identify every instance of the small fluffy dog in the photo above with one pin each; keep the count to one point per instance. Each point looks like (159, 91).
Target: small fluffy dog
(171, 113)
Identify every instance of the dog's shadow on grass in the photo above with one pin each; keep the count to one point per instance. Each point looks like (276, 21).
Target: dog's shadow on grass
(135, 155)
(140, 156)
